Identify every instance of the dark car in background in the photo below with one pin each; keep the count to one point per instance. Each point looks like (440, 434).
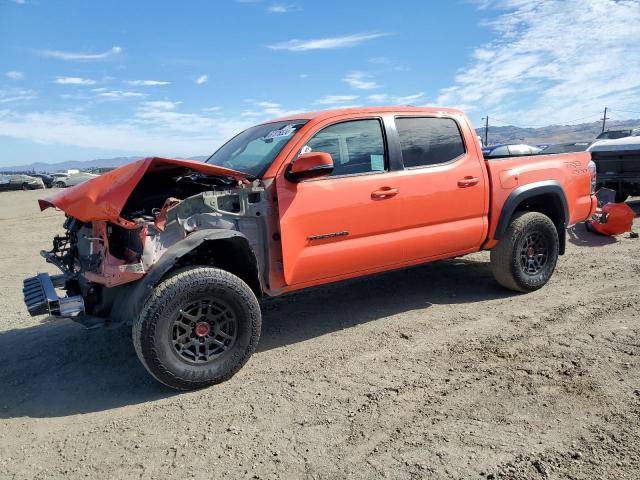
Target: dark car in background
(19, 182)
(46, 179)
(567, 147)
(510, 150)
(622, 133)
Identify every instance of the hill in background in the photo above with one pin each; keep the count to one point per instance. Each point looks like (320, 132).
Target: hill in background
(552, 133)
(506, 134)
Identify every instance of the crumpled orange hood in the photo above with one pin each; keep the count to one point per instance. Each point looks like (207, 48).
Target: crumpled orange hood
(103, 197)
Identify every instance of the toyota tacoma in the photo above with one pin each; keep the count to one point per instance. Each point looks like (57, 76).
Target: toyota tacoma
(182, 250)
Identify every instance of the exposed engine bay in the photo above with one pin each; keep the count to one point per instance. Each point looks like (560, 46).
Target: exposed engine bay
(165, 207)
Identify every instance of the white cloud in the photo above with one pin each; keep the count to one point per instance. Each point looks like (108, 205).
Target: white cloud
(336, 99)
(360, 81)
(159, 133)
(212, 109)
(19, 2)
(304, 75)
(119, 94)
(61, 55)
(378, 97)
(13, 75)
(74, 81)
(327, 43)
(14, 95)
(283, 8)
(202, 79)
(267, 104)
(161, 105)
(408, 99)
(147, 83)
(553, 62)
(266, 110)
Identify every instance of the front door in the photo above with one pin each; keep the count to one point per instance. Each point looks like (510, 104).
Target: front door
(334, 226)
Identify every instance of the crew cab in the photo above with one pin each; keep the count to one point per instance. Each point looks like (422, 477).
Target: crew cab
(182, 250)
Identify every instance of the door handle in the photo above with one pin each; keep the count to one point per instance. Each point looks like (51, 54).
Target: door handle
(468, 182)
(384, 192)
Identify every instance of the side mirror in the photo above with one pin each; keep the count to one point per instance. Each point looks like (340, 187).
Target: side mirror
(309, 165)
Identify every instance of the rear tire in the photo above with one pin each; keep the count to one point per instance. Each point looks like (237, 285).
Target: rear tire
(58, 184)
(526, 256)
(198, 328)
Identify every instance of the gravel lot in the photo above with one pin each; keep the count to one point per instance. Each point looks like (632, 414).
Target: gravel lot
(435, 372)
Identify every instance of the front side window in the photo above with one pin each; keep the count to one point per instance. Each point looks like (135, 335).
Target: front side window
(253, 150)
(356, 146)
(429, 141)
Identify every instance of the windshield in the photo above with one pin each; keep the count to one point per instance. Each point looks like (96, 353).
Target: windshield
(253, 150)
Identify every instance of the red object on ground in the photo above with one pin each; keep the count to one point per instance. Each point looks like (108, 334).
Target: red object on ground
(613, 219)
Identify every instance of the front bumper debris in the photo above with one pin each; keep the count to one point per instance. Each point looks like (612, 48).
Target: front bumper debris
(41, 297)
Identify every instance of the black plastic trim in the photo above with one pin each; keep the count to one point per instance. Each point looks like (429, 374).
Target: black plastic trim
(526, 192)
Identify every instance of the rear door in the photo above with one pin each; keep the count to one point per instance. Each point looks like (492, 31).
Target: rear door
(345, 223)
(445, 188)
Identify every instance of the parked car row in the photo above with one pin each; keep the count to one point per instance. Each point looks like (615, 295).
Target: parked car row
(20, 182)
(64, 180)
(34, 181)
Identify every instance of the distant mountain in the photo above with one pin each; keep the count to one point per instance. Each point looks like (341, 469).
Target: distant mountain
(80, 165)
(552, 133)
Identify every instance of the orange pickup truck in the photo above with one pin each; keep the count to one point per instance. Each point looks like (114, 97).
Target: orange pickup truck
(184, 249)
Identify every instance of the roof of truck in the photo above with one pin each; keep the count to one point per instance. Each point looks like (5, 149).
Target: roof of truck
(373, 110)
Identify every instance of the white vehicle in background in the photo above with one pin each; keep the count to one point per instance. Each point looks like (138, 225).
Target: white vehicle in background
(618, 165)
(66, 180)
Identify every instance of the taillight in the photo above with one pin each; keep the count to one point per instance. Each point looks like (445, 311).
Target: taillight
(592, 173)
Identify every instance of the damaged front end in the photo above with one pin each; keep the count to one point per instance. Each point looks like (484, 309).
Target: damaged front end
(141, 213)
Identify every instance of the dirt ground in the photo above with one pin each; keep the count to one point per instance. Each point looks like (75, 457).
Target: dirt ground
(434, 372)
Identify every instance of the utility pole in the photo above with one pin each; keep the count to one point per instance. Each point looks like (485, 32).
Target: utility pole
(486, 131)
(604, 118)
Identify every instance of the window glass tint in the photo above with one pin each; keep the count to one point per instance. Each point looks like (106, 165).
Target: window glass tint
(356, 146)
(429, 141)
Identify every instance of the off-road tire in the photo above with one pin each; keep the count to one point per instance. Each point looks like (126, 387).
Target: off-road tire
(506, 261)
(152, 329)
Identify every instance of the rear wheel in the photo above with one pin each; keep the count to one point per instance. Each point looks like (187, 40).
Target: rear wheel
(25, 186)
(526, 256)
(58, 184)
(198, 328)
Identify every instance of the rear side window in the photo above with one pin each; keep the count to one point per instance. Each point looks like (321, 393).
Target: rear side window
(429, 141)
(356, 146)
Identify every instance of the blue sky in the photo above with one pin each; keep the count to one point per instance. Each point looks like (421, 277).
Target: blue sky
(82, 80)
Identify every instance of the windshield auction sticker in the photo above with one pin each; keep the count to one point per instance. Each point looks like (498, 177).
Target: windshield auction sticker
(282, 132)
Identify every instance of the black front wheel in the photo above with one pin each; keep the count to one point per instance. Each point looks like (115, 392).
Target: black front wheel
(526, 256)
(198, 328)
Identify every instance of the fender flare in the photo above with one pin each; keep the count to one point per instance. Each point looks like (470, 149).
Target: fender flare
(531, 190)
(129, 302)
